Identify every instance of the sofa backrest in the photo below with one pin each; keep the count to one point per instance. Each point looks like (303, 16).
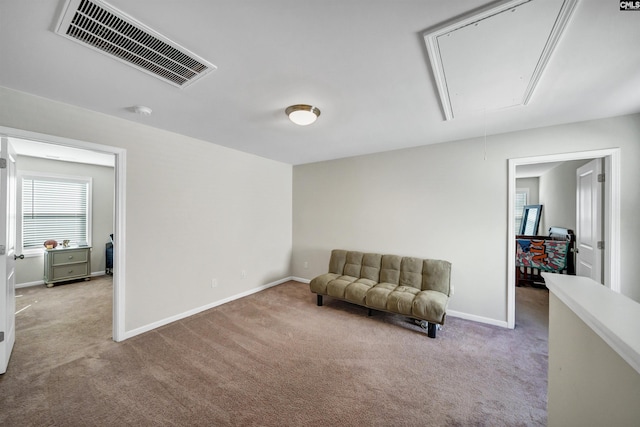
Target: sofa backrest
(337, 261)
(411, 272)
(353, 265)
(436, 276)
(371, 264)
(390, 269)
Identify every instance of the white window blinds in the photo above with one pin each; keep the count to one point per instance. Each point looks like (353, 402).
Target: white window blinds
(54, 208)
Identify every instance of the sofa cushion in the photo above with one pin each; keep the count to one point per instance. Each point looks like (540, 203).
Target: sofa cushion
(411, 272)
(390, 269)
(337, 287)
(377, 296)
(356, 291)
(436, 276)
(353, 264)
(337, 261)
(371, 267)
(401, 300)
(319, 284)
(430, 305)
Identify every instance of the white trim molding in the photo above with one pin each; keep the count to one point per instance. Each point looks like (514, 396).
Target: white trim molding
(474, 318)
(188, 313)
(41, 282)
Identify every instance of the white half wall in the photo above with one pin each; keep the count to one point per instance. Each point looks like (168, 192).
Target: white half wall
(449, 201)
(196, 211)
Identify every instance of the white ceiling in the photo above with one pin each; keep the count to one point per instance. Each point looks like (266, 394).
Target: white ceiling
(362, 62)
(535, 170)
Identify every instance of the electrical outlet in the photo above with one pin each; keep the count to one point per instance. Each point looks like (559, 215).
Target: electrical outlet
(306, 264)
(243, 274)
(214, 283)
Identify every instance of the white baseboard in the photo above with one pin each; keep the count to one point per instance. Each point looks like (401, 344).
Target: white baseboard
(159, 323)
(29, 284)
(479, 319)
(41, 282)
(300, 279)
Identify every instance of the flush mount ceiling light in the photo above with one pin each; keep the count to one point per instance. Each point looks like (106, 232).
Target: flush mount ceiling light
(302, 114)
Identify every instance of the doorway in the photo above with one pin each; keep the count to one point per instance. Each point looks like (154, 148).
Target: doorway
(119, 154)
(611, 217)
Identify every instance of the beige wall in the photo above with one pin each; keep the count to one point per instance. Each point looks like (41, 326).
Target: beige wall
(30, 269)
(533, 185)
(589, 383)
(195, 210)
(558, 195)
(446, 201)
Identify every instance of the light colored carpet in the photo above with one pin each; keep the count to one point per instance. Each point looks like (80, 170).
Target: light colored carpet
(270, 359)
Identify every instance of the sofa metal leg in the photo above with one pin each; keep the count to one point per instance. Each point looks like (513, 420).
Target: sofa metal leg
(370, 313)
(431, 329)
(319, 300)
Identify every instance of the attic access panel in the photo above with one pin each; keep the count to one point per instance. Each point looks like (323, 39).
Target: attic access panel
(493, 60)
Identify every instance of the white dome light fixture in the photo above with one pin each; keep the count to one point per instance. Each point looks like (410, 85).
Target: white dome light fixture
(302, 114)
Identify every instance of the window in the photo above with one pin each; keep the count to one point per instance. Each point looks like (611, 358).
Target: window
(53, 207)
(522, 195)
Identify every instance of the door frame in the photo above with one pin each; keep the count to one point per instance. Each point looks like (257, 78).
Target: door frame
(611, 263)
(119, 232)
(7, 260)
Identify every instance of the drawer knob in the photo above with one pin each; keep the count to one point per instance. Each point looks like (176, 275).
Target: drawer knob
(70, 256)
(70, 271)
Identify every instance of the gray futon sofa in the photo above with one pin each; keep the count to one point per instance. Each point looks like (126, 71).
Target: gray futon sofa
(414, 287)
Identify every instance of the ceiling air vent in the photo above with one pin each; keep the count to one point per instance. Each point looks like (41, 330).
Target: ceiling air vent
(100, 26)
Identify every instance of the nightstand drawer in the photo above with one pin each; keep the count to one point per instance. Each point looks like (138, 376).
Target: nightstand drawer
(69, 271)
(69, 256)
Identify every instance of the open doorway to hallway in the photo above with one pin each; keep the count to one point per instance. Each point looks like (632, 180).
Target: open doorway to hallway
(552, 186)
(611, 211)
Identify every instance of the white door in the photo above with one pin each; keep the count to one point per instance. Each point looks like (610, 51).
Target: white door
(589, 221)
(7, 251)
